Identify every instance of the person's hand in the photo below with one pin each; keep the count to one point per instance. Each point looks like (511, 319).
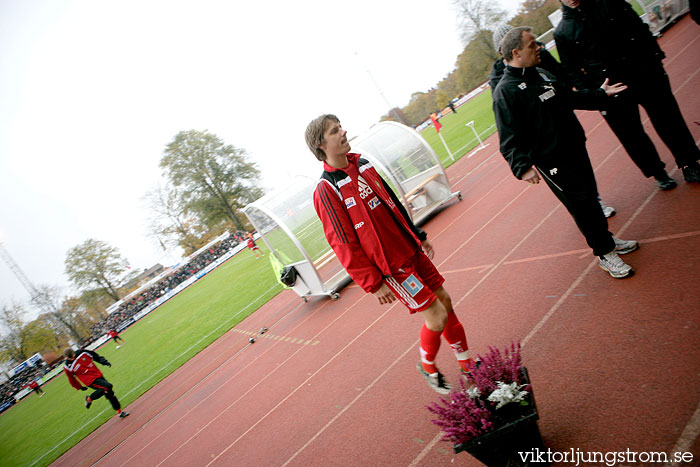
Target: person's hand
(531, 176)
(428, 248)
(83, 388)
(611, 90)
(384, 294)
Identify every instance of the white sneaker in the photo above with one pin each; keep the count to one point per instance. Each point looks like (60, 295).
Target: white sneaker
(436, 381)
(622, 247)
(608, 211)
(614, 265)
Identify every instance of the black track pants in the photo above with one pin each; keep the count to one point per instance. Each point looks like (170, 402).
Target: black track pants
(103, 387)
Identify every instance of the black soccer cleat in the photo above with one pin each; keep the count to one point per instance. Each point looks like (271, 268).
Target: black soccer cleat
(88, 402)
(123, 414)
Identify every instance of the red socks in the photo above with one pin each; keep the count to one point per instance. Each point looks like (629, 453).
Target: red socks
(429, 346)
(455, 336)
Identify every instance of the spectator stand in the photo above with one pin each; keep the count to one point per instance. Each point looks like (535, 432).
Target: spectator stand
(162, 288)
(12, 389)
(126, 312)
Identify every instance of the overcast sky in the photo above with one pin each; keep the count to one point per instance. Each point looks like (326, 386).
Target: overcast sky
(92, 91)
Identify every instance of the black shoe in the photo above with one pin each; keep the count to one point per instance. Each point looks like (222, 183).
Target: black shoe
(88, 402)
(123, 414)
(691, 173)
(665, 182)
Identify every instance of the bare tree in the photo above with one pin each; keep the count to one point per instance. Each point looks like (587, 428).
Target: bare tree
(171, 222)
(476, 16)
(48, 299)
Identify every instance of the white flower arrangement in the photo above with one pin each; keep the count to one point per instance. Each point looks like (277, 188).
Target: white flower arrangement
(507, 393)
(474, 392)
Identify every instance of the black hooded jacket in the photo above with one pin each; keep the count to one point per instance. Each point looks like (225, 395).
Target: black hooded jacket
(605, 39)
(535, 118)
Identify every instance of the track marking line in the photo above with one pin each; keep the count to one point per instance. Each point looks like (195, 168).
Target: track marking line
(147, 380)
(688, 436)
(487, 223)
(345, 409)
(222, 386)
(692, 430)
(303, 384)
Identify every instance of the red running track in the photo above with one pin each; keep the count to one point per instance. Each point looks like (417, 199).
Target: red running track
(615, 363)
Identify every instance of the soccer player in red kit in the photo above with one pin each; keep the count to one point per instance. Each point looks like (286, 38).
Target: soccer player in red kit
(80, 368)
(115, 336)
(380, 247)
(34, 386)
(253, 246)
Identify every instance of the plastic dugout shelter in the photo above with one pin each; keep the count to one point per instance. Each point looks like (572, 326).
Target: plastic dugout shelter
(287, 222)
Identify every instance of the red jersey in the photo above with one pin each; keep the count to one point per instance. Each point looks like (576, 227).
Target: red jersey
(32, 385)
(83, 368)
(112, 333)
(365, 224)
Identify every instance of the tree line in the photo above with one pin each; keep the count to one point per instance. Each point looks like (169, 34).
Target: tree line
(477, 21)
(206, 183)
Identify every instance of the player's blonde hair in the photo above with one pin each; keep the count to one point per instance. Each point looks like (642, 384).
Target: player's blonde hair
(314, 134)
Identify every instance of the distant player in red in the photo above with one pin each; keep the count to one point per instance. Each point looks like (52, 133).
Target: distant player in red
(82, 374)
(377, 243)
(113, 334)
(254, 247)
(34, 386)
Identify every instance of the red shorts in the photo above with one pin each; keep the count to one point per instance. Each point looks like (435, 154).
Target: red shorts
(414, 283)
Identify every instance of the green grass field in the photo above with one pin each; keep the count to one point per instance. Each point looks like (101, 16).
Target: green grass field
(458, 136)
(38, 430)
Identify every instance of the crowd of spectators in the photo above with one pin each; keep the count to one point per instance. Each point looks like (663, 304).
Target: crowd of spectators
(135, 304)
(15, 384)
(126, 310)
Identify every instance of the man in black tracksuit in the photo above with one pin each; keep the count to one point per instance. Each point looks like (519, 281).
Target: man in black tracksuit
(599, 39)
(548, 63)
(540, 135)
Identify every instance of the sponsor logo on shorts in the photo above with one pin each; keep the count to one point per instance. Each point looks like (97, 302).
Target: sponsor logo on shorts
(373, 203)
(350, 202)
(358, 225)
(412, 285)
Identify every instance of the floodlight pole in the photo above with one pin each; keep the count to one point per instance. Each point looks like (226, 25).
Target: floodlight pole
(391, 108)
(19, 274)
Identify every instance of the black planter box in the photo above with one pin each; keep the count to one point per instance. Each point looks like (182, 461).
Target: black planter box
(501, 446)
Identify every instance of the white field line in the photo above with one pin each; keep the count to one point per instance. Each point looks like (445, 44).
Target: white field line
(86, 424)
